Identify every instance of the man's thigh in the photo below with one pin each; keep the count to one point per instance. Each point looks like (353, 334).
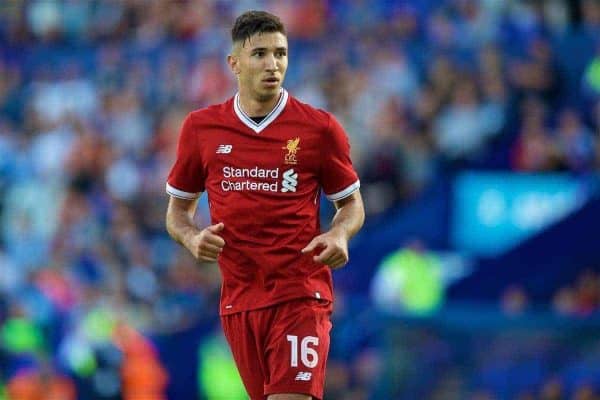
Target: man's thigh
(245, 348)
(297, 347)
(281, 349)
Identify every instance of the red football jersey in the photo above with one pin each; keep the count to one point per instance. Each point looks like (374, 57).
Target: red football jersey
(263, 182)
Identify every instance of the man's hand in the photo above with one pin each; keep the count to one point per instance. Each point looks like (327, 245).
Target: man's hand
(206, 245)
(334, 248)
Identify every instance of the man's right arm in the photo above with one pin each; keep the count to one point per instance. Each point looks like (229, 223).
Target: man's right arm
(205, 244)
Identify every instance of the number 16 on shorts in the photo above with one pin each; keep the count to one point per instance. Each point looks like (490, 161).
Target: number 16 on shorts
(308, 355)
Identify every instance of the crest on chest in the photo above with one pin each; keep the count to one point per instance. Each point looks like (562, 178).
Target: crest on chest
(292, 148)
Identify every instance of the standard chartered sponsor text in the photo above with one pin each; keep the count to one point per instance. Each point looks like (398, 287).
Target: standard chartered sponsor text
(231, 172)
(251, 185)
(248, 185)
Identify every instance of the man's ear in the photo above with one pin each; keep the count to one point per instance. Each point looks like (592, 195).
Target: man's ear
(233, 62)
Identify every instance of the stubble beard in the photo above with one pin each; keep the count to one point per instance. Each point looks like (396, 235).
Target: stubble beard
(266, 97)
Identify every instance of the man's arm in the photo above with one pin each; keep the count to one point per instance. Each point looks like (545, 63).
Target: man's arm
(205, 244)
(346, 222)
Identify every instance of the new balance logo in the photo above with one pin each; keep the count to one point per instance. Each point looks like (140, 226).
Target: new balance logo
(224, 149)
(303, 376)
(290, 181)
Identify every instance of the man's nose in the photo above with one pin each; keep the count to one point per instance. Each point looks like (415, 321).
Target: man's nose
(270, 62)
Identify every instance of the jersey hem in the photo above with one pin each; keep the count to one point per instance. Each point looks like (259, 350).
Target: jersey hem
(321, 297)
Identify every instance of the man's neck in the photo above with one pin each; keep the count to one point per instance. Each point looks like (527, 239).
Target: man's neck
(256, 108)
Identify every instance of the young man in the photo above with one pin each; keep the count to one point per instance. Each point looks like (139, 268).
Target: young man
(263, 158)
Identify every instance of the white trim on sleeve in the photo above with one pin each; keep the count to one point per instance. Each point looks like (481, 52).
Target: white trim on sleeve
(344, 193)
(181, 194)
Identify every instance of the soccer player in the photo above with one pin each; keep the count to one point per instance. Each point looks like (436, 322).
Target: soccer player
(263, 158)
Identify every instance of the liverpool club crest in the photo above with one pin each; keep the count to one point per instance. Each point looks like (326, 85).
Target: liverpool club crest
(292, 149)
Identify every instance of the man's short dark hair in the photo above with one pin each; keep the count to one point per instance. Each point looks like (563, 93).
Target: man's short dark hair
(253, 22)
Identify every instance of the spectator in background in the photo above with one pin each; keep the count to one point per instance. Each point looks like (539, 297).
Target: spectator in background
(534, 149)
(574, 142)
(392, 74)
(591, 77)
(11, 96)
(552, 389)
(514, 300)
(384, 177)
(587, 288)
(580, 299)
(142, 374)
(409, 281)
(585, 392)
(218, 377)
(590, 12)
(40, 384)
(463, 126)
(564, 302)
(536, 73)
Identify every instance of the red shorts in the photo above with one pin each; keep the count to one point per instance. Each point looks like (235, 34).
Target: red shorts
(281, 349)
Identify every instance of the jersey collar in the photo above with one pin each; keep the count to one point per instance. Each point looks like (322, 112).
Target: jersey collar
(246, 120)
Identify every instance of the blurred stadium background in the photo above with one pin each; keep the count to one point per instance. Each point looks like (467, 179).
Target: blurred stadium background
(475, 129)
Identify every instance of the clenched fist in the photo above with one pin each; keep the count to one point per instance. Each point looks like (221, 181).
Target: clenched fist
(207, 244)
(333, 246)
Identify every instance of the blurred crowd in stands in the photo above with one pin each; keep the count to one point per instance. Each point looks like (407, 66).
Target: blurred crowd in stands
(92, 95)
(580, 298)
(466, 356)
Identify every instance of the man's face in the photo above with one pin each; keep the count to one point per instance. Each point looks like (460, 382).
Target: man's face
(260, 64)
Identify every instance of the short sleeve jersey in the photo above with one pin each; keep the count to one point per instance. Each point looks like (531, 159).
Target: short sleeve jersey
(263, 182)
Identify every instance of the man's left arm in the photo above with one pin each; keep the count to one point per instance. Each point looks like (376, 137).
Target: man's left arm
(346, 222)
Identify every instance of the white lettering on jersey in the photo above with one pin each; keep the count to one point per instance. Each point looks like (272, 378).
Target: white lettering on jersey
(257, 179)
(230, 186)
(224, 149)
(308, 355)
(231, 172)
(303, 376)
(264, 180)
(290, 181)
